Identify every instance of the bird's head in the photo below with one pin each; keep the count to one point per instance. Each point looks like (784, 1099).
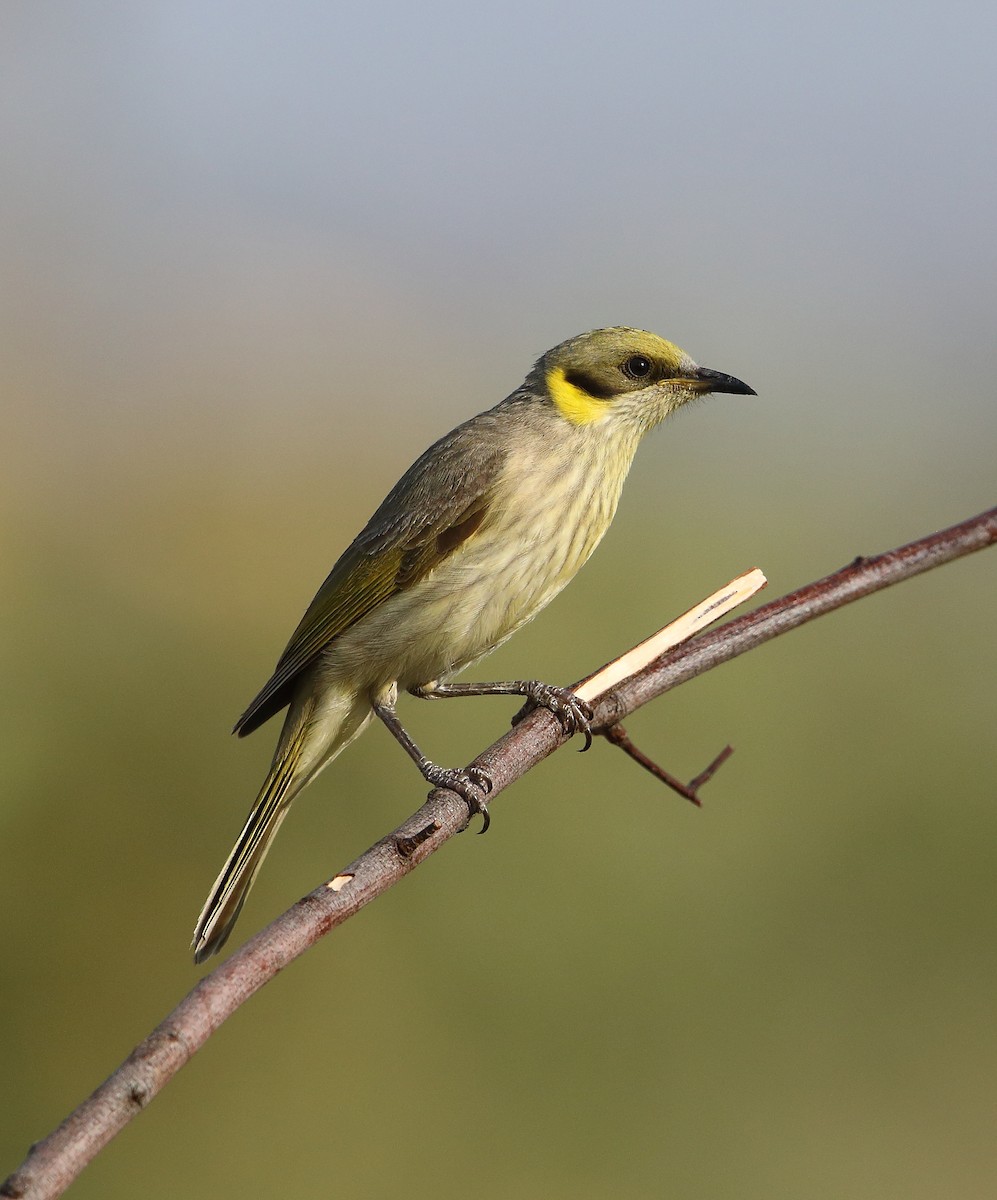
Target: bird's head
(625, 373)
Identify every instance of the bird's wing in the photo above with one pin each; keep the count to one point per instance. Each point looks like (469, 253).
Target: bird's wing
(440, 502)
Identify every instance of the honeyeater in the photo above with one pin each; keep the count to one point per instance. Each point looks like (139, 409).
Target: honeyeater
(475, 538)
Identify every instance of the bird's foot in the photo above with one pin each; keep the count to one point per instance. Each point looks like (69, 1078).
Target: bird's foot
(472, 785)
(574, 713)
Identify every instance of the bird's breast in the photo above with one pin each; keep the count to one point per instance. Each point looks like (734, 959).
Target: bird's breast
(547, 514)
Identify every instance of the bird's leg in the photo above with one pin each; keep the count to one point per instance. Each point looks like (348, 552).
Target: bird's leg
(471, 785)
(573, 713)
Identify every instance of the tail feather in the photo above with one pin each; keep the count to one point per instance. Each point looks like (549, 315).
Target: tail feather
(317, 728)
(230, 889)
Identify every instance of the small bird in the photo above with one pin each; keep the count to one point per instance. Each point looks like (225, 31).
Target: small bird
(476, 537)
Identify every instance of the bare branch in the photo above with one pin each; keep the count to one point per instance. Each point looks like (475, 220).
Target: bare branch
(54, 1163)
(618, 736)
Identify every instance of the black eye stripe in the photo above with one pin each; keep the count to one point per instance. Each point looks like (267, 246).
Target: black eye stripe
(590, 385)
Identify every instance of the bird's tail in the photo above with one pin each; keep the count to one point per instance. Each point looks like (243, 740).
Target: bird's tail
(295, 764)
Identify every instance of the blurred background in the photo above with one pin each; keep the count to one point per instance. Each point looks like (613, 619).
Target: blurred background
(256, 258)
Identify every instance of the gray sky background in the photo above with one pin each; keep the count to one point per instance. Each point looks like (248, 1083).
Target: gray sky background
(229, 220)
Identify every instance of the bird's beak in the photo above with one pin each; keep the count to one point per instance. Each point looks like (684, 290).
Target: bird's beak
(703, 379)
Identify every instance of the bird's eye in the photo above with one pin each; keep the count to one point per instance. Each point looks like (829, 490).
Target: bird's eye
(636, 367)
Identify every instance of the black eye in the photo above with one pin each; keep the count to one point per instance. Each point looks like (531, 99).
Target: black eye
(636, 367)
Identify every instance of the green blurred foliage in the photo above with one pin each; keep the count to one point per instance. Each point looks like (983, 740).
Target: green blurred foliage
(611, 988)
(217, 361)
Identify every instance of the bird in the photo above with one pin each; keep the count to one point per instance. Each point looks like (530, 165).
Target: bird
(478, 535)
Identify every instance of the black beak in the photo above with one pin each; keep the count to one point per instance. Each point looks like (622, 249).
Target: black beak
(717, 381)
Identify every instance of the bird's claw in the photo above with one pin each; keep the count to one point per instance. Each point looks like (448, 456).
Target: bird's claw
(574, 713)
(472, 785)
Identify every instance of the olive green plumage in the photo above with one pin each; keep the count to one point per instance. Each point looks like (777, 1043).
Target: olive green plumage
(481, 532)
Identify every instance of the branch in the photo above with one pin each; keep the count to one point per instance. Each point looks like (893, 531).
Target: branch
(616, 735)
(55, 1162)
